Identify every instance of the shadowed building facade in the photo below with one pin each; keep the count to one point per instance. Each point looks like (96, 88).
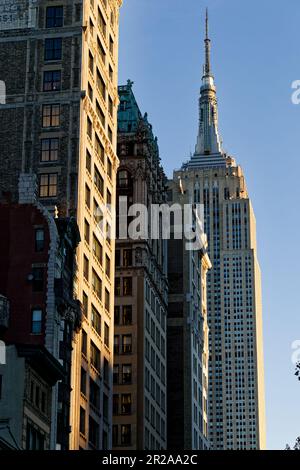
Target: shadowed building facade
(236, 366)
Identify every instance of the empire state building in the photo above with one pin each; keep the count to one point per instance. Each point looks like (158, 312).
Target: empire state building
(236, 407)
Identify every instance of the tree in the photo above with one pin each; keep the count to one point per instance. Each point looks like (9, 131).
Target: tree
(297, 444)
(297, 372)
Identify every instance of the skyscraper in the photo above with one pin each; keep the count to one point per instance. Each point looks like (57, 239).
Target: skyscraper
(236, 370)
(141, 292)
(59, 62)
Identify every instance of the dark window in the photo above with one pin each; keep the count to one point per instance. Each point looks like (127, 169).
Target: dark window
(48, 185)
(101, 22)
(52, 80)
(54, 17)
(118, 258)
(97, 285)
(87, 196)
(124, 179)
(101, 50)
(91, 63)
(126, 344)
(39, 239)
(100, 114)
(110, 106)
(99, 149)
(117, 286)
(96, 320)
(97, 249)
(51, 115)
(93, 432)
(108, 197)
(110, 136)
(126, 374)
(86, 268)
(101, 85)
(107, 266)
(111, 46)
(105, 407)
(49, 150)
(106, 369)
(117, 315)
(95, 356)
(35, 440)
(82, 421)
(89, 128)
(127, 258)
(88, 163)
(116, 344)
(106, 334)
(116, 374)
(53, 49)
(115, 404)
(125, 434)
(127, 315)
(36, 323)
(90, 92)
(86, 231)
(83, 381)
(84, 343)
(99, 181)
(94, 394)
(110, 72)
(38, 279)
(127, 286)
(126, 403)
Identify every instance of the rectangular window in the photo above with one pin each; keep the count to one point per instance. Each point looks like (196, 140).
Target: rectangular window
(94, 433)
(35, 440)
(116, 344)
(118, 258)
(111, 73)
(101, 85)
(105, 407)
(126, 403)
(109, 168)
(107, 300)
(84, 343)
(97, 250)
(82, 421)
(97, 285)
(91, 63)
(115, 438)
(99, 181)
(94, 394)
(116, 374)
(117, 287)
(117, 315)
(108, 197)
(90, 91)
(127, 286)
(95, 356)
(85, 305)
(100, 113)
(39, 239)
(110, 106)
(49, 150)
(96, 320)
(101, 22)
(48, 185)
(111, 45)
(107, 266)
(86, 268)
(125, 434)
(87, 196)
(52, 80)
(99, 149)
(126, 374)
(127, 258)
(87, 231)
(38, 279)
(88, 161)
(101, 51)
(51, 115)
(98, 214)
(106, 334)
(36, 323)
(110, 135)
(83, 381)
(115, 405)
(126, 344)
(127, 315)
(53, 49)
(89, 128)
(54, 17)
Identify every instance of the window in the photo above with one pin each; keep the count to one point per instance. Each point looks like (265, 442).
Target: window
(101, 85)
(51, 115)
(95, 356)
(53, 49)
(49, 150)
(109, 168)
(83, 381)
(107, 300)
(117, 315)
(84, 343)
(96, 320)
(111, 45)
(111, 73)
(36, 323)
(118, 258)
(97, 285)
(86, 231)
(48, 185)
(93, 432)
(99, 181)
(99, 149)
(39, 239)
(127, 258)
(89, 128)
(52, 80)
(82, 421)
(101, 22)
(124, 179)
(126, 344)
(106, 369)
(94, 394)
(88, 161)
(127, 286)
(91, 63)
(115, 405)
(107, 266)
(116, 344)
(105, 407)
(1, 380)
(110, 136)
(90, 91)
(126, 403)
(115, 438)
(101, 51)
(127, 315)
(85, 305)
(54, 17)
(87, 196)
(106, 334)
(108, 197)
(116, 374)
(110, 106)
(98, 214)
(117, 286)
(126, 434)
(100, 114)
(35, 440)
(86, 268)
(97, 249)
(126, 373)
(38, 279)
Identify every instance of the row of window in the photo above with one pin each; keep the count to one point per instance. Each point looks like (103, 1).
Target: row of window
(95, 354)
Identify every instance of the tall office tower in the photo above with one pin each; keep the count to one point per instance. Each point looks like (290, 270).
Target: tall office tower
(139, 400)
(187, 334)
(236, 370)
(59, 64)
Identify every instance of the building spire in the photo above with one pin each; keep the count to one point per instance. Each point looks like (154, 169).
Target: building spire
(208, 142)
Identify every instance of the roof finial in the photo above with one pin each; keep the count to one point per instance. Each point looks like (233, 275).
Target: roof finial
(207, 47)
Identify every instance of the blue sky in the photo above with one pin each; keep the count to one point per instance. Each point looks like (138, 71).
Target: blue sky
(255, 58)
